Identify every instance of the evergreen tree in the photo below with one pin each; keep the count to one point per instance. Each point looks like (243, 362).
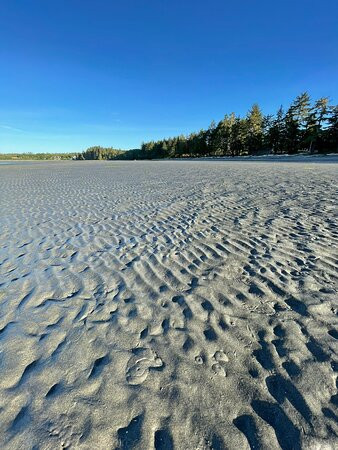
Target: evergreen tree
(239, 137)
(292, 136)
(268, 122)
(181, 147)
(301, 110)
(254, 132)
(331, 137)
(318, 117)
(276, 133)
(302, 127)
(211, 138)
(224, 135)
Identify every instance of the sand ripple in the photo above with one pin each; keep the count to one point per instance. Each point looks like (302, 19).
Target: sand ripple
(188, 305)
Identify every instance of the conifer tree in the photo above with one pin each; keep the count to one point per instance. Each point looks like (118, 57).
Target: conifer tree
(239, 136)
(211, 139)
(313, 126)
(302, 127)
(276, 133)
(332, 130)
(292, 135)
(313, 132)
(254, 129)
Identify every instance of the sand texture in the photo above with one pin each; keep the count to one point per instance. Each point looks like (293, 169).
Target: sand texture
(168, 305)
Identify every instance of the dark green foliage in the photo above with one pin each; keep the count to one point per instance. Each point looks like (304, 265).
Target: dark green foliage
(254, 130)
(330, 138)
(98, 152)
(302, 128)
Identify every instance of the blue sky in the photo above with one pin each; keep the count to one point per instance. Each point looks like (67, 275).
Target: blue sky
(76, 73)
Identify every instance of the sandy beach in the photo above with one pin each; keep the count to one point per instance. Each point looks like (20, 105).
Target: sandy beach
(169, 305)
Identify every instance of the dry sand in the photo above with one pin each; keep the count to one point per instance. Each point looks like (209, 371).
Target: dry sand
(186, 305)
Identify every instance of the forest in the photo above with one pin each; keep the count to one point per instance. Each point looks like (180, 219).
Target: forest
(98, 152)
(304, 127)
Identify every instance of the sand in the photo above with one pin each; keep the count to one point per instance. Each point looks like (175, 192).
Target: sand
(186, 305)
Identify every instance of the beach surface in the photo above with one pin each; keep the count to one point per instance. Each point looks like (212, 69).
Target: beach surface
(169, 305)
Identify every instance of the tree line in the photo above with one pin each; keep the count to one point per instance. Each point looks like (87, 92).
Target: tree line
(37, 156)
(303, 127)
(98, 152)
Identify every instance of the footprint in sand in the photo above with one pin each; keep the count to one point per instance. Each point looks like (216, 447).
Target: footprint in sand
(199, 359)
(139, 364)
(220, 359)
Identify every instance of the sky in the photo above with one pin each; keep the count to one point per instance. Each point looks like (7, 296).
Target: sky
(77, 73)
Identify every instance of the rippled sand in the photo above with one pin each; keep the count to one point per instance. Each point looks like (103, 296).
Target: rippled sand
(186, 305)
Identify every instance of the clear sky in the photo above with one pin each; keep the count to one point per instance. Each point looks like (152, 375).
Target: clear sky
(76, 73)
